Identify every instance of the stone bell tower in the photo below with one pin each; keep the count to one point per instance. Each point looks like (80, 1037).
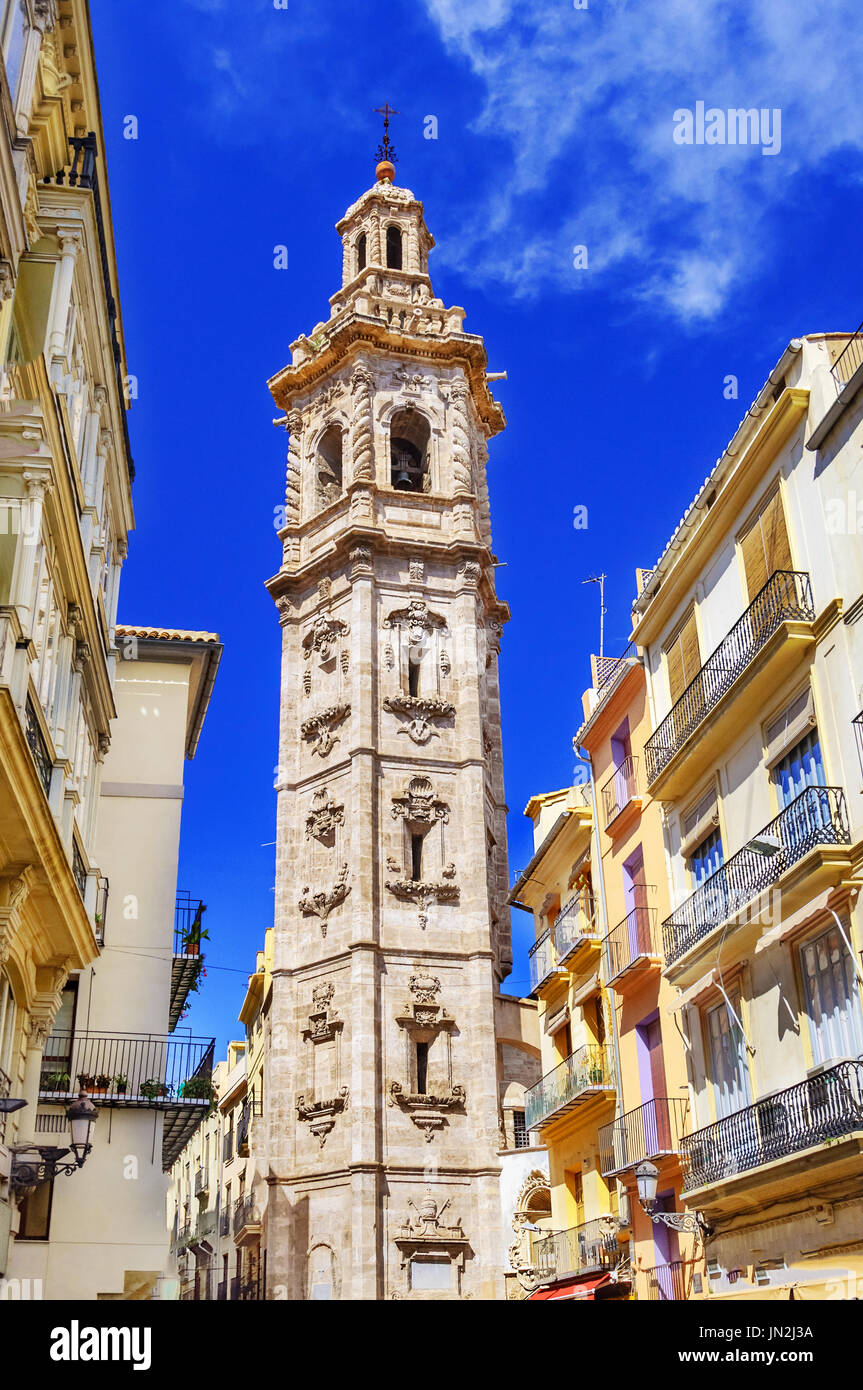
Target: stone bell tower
(392, 935)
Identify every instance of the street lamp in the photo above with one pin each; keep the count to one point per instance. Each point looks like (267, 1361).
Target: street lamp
(29, 1172)
(646, 1176)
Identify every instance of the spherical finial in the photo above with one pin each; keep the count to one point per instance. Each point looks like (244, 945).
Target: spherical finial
(385, 170)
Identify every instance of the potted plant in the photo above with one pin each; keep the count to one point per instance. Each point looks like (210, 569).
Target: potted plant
(121, 1084)
(153, 1088)
(195, 935)
(199, 1088)
(596, 1076)
(101, 1082)
(56, 1081)
(85, 1081)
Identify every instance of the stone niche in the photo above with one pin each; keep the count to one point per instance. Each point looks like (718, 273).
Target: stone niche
(426, 1091)
(324, 1097)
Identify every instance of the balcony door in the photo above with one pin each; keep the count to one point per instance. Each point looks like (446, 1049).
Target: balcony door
(730, 1070)
(832, 998)
(765, 546)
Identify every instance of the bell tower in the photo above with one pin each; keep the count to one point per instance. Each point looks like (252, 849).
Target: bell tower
(391, 931)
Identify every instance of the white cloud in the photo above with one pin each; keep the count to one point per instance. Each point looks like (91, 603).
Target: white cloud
(583, 101)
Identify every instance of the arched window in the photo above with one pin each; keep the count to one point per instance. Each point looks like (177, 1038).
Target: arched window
(409, 441)
(361, 253)
(394, 247)
(329, 466)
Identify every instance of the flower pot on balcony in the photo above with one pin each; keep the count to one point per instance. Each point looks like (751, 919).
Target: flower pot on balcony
(153, 1089)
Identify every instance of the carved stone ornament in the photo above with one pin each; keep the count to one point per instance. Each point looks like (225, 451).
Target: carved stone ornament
(417, 618)
(361, 561)
(321, 1115)
(322, 903)
(423, 1234)
(428, 1112)
(423, 893)
(323, 637)
(319, 728)
(417, 571)
(324, 816)
(419, 806)
(324, 1020)
(421, 711)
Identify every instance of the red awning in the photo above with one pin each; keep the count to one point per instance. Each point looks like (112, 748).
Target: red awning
(573, 1289)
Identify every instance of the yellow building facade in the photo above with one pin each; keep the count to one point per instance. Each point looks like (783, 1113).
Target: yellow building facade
(583, 1255)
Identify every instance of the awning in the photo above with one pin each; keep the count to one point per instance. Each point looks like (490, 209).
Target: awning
(572, 1289)
(687, 996)
(587, 990)
(554, 1022)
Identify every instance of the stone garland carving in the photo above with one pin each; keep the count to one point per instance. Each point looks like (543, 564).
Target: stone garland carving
(428, 1112)
(321, 1115)
(324, 816)
(322, 903)
(320, 727)
(421, 711)
(362, 438)
(293, 489)
(417, 571)
(462, 479)
(328, 395)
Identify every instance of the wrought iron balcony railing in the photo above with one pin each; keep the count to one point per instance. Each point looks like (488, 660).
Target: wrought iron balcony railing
(786, 597)
(651, 1130)
(580, 1250)
(632, 941)
(141, 1069)
(245, 1213)
(817, 816)
(222, 1292)
(582, 1074)
(225, 1222)
(573, 925)
(79, 869)
(540, 959)
(235, 1288)
(824, 1108)
(202, 1181)
(187, 961)
(662, 1283)
(38, 746)
(620, 789)
(849, 359)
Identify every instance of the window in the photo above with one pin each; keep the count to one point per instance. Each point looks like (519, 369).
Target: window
(832, 998)
(7, 1031)
(521, 1135)
(15, 25)
(10, 527)
(707, 857)
(410, 434)
(422, 1068)
(728, 1058)
(430, 1274)
(416, 857)
(329, 466)
(801, 768)
(35, 1210)
(394, 247)
(683, 657)
(361, 252)
(765, 545)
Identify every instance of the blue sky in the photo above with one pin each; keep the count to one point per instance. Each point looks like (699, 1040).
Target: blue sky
(554, 130)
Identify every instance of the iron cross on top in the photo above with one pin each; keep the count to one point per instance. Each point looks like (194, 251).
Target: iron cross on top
(385, 149)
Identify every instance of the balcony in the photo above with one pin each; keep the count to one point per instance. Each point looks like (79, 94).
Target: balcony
(762, 648)
(663, 1283)
(815, 818)
(819, 1112)
(620, 793)
(247, 1220)
(202, 1182)
(225, 1222)
(187, 961)
(222, 1291)
(586, 1249)
(584, 1075)
(574, 927)
(235, 1289)
(541, 962)
(140, 1070)
(630, 949)
(849, 359)
(38, 746)
(651, 1131)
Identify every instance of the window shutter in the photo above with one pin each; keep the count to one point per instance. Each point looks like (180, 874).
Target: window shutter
(676, 683)
(765, 546)
(689, 645)
(683, 656)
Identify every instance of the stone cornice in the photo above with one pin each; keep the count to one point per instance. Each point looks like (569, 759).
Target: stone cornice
(344, 337)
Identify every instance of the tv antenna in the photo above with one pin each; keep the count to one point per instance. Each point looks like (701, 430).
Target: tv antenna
(600, 580)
